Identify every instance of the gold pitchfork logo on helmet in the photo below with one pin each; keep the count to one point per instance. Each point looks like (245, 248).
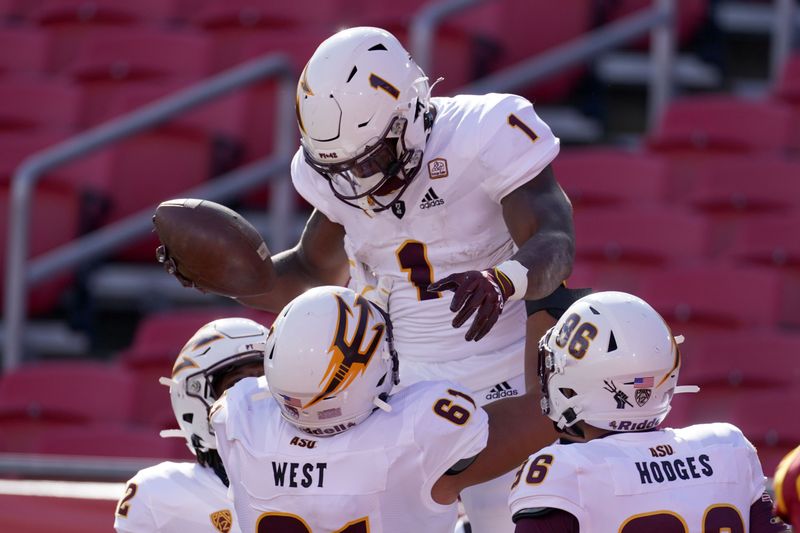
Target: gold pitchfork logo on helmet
(348, 359)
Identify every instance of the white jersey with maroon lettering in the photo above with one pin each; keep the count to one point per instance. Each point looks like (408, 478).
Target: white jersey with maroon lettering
(376, 476)
(698, 478)
(449, 220)
(175, 497)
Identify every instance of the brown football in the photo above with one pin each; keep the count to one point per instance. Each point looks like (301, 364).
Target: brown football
(214, 247)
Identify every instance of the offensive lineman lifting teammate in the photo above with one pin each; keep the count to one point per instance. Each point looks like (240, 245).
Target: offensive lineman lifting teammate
(415, 196)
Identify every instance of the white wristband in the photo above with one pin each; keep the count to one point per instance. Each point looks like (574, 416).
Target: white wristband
(518, 275)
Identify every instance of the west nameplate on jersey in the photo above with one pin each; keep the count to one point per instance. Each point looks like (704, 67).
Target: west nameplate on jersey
(437, 168)
(399, 208)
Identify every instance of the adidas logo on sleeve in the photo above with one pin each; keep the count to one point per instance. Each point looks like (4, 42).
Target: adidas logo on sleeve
(501, 390)
(431, 199)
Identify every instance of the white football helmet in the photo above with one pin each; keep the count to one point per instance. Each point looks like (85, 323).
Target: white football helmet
(330, 360)
(363, 108)
(216, 349)
(610, 361)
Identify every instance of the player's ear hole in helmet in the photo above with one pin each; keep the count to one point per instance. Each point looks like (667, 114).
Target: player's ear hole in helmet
(364, 113)
(611, 362)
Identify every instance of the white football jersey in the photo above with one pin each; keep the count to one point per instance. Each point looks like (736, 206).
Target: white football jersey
(450, 220)
(698, 478)
(376, 476)
(175, 497)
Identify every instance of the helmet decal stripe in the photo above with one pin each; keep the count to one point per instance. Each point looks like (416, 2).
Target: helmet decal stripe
(348, 359)
(182, 364)
(376, 82)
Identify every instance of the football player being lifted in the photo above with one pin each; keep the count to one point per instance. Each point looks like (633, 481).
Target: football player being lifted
(326, 448)
(180, 497)
(609, 370)
(416, 196)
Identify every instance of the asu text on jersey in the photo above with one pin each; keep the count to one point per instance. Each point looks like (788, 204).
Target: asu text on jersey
(699, 478)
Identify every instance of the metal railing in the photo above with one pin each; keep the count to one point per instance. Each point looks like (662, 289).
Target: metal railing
(20, 274)
(423, 28)
(658, 20)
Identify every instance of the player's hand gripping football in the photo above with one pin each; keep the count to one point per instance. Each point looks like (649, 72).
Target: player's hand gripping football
(212, 248)
(483, 291)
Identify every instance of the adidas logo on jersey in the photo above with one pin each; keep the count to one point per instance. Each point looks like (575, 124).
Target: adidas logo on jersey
(501, 390)
(431, 199)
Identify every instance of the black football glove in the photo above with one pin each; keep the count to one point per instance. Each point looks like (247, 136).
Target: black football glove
(475, 290)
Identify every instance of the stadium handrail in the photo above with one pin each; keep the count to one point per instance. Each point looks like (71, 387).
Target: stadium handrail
(424, 24)
(19, 275)
(657, 19)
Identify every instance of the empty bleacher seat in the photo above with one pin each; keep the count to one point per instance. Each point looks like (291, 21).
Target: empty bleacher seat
(769, 240)
(747, 359)
(24, 51)
(236, 15)
(104, 12)
(747, 183)
(39, 104)
(715, 296)
(112, 440)
(601, 177)
(623, 244)
(38, 396)
(108, 60)
(723, 123)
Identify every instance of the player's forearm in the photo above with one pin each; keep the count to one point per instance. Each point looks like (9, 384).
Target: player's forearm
(292, 278)
(517, 428)
(548, 255)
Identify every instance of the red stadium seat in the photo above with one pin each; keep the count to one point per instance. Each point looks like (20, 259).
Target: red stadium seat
(601, 177)
(17, 9)
(112, 440)
(747, 183)
(714, 124)
(639, 235)
(36, 397)
(751, 359)
(768, 240)
(726, 188)
(104, 12)
(248, 15)
(108, 60)
(623, 245)
(24, 51)
(43, 105)
(715, 296)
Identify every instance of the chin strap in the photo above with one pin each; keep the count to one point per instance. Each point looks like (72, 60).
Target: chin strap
(381, 404)
(170, 433)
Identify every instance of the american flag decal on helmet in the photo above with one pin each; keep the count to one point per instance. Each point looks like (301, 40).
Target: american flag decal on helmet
(348, 359)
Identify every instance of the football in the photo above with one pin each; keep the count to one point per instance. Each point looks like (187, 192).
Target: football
(213, 247)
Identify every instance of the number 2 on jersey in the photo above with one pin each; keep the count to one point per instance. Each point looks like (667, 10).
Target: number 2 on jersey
(413, 259)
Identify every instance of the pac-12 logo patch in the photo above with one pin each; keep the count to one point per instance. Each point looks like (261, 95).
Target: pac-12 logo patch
(437, 168)
(222, 520)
